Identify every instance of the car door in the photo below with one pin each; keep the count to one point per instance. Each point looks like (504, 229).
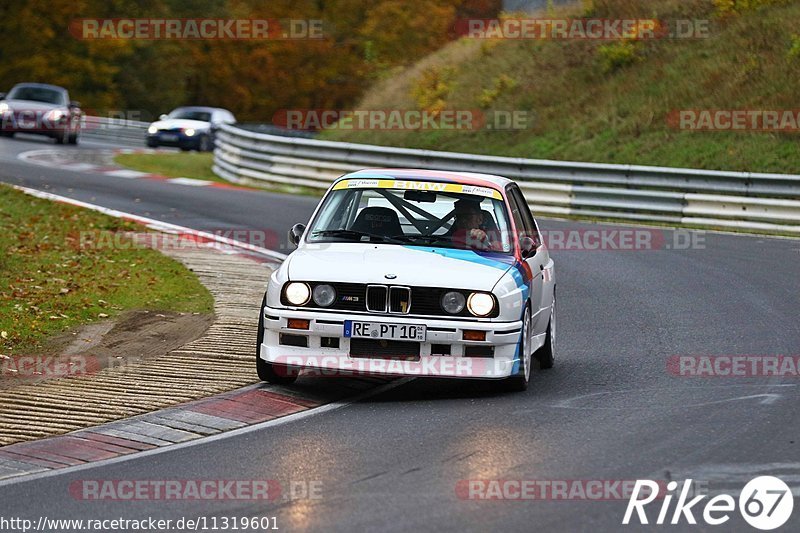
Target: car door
(538, 261)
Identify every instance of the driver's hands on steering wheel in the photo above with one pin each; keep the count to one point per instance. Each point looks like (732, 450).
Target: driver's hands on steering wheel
(479, 239)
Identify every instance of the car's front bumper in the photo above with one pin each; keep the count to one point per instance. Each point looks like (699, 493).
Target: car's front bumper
(180, 141)
(502, 339)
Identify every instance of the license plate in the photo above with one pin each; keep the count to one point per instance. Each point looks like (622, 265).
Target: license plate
(382, 330)
(169, 137)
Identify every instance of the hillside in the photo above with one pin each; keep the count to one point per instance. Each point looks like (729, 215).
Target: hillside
(609, 101)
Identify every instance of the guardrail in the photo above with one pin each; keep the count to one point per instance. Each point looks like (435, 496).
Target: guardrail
(117, 130)
(686, 197)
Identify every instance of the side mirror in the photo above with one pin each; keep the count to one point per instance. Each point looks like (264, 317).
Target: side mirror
(162, 117)
(74, 105)
(528, 246)
(296, 233)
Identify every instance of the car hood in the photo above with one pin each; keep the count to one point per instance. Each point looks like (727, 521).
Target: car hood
(412, 265)
(28, 105)
(181, 123)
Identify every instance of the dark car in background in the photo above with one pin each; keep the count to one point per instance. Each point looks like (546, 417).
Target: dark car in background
(189, 128)
(41, 109)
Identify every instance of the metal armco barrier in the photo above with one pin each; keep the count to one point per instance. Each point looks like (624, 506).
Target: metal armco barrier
(116, 130)
(686, 197)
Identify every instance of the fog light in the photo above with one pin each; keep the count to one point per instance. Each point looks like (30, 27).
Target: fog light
(472, 335)
(297, 323)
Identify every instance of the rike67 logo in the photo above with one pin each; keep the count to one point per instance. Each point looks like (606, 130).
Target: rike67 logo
(765, 503)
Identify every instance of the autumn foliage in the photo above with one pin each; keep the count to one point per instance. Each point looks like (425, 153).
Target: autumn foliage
(363, 40)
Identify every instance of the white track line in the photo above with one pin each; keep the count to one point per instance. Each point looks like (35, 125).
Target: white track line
(213, 438)
(126, 173)
(154, 224)
(190, 181)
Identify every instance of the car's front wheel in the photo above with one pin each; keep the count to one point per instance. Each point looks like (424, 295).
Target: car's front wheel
(270, 372)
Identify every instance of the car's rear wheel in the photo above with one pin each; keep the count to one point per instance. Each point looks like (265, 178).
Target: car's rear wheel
(73, 138)
(519, 381)
(62, 138)
(270, 372)
(546, 355)
(6, 133)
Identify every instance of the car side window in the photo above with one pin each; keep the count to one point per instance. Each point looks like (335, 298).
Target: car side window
(522, 215)
(519, 224)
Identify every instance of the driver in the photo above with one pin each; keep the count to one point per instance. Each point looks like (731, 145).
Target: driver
(466, 228)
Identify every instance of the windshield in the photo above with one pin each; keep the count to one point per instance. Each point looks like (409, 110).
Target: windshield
(413, 213)
(191, 114)
(37, 94)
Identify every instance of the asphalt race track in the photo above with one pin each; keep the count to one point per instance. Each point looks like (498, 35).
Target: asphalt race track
(610, 410)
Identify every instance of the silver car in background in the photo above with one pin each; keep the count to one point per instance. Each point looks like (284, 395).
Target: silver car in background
(41, 109)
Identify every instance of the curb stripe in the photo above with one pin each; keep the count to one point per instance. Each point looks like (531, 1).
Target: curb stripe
(37, 473)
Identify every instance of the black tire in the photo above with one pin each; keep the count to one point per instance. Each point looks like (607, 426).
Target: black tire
(185, 148)
(520, 381)
(205, 144)
(73, 139)
(8, 134)
(152, 143)
(269, 372)
(62, 138)
(545, 356)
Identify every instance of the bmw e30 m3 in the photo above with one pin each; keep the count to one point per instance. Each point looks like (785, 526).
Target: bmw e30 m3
(413, 272)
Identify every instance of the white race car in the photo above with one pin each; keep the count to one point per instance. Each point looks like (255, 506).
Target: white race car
(413, 273)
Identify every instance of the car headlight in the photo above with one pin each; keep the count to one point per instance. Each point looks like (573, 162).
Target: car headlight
(188, 132)
(324, 295)
(152, 130)
(297, 293)
(453, 302)
(55, 114)
(3, 108)
(480, 303)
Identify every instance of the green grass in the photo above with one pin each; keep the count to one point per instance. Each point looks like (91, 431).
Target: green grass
(585, 111)
(183, 165)
(52, 278)
(198, 166)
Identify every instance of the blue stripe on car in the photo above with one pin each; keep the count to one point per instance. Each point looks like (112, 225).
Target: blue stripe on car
(495, 260)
